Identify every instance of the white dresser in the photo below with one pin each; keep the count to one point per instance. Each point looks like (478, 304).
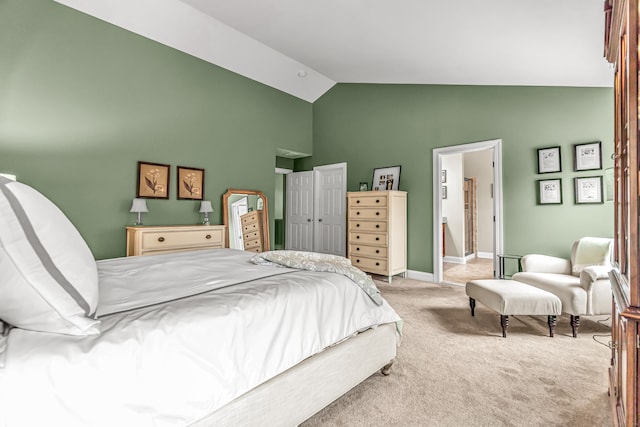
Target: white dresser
(377, 231)
(149, 240)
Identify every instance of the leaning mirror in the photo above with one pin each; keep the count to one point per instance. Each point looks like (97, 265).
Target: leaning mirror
(246, 216)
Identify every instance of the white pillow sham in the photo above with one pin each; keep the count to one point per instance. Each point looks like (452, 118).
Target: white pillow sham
(48, 276)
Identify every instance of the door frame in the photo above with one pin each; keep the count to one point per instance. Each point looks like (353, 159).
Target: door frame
(498, 226)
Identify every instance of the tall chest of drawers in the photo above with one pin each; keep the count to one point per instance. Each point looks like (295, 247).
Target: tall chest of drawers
(377, 231)
(252, 231)
(149, 240)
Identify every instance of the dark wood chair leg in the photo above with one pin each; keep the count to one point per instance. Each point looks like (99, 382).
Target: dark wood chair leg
(504, 322)
(575, 324)
(472, 304)
(552, 320)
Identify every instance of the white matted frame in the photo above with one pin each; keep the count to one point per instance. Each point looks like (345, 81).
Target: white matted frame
(549, 160)
(550, 191)
(498, 233)
(587, 156)
(588, 190)
(387, 178)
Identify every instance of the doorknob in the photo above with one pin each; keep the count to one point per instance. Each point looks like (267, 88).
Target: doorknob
(320, 220)
(308, 219)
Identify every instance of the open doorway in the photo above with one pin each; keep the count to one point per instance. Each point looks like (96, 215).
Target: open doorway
(467, 212)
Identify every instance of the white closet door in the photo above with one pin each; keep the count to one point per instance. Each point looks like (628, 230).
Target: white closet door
(330, 209)
(299, 233)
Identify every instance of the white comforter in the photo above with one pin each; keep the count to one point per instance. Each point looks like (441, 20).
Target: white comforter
(169, 364)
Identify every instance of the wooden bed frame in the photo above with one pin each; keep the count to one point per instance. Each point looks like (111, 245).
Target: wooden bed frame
(298, 393)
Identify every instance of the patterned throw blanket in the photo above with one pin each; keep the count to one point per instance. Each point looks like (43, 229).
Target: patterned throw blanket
(321, 262)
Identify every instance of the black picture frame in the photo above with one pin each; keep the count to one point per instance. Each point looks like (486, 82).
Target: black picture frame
(550, 191)
(190, 183)
(588, 190)
(387, 178)
(153, 180)
(587, 156)
(549, 160)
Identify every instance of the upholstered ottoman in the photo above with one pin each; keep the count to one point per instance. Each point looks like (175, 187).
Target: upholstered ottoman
(509, 297)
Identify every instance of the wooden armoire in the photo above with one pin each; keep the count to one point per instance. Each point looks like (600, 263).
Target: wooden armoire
(621, 49)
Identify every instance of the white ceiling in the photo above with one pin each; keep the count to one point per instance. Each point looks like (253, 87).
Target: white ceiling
(475, 42)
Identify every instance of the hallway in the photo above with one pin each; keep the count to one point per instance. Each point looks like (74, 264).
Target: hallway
(477, 268)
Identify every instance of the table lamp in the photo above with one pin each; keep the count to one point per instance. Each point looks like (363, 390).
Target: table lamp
(205, 208)
(138, 206)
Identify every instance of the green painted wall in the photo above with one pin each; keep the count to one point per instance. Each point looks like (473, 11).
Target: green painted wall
(81, 101)
(371, 126)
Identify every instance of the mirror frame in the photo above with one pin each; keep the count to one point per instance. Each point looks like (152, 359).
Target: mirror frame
(265, 214)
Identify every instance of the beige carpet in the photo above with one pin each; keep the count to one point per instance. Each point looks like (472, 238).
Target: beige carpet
(456, 370)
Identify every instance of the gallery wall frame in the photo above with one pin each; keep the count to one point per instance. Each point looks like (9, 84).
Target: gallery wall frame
(549, 160)
(387, 178)
(190, 183)
(587, 156)
(550, 191)
(588, 190)
(153, 180)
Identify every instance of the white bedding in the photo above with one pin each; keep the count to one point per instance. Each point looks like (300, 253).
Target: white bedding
(169, 364)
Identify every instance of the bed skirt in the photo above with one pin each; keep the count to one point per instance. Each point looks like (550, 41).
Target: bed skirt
(295, 395)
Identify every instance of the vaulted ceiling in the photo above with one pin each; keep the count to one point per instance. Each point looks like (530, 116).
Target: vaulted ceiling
(304, 47)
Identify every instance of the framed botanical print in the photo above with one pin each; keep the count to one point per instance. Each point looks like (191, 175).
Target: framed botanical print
(589, 189)
(190, 183)
(153, 180)
(550, 192)
(549, 160)
(587, 156)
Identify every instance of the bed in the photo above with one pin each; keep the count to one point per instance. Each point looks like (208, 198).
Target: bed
(201, 338)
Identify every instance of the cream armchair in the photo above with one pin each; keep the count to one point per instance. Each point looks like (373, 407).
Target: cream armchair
(581, 283)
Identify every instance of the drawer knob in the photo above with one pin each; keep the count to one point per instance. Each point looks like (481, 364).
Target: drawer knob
(357, 225)
(377, 201)
(357, 237)
(357, 201)
(357, 249)
(208, 236)
(377, 251)
(160, 239)
(358, 213)
(377, 263)
(377, 238)
(357, 260)
(377, 213)
(377, 225)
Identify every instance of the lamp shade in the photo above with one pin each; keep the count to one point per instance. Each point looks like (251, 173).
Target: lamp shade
(205, 206)
(139, 205)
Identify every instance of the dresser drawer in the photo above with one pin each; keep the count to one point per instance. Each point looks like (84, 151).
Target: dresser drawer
(254, 226)
(369, 251)
(380, 226)
(252, 235)
(255, 243)
(369, 264)
(367, 201)
(249, 218)
(378, 239)
(161, 240)
(356, 214)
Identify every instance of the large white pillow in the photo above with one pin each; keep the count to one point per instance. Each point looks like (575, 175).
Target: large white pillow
(48, 276)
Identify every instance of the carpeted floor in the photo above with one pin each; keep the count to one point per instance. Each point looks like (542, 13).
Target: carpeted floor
(456, 370)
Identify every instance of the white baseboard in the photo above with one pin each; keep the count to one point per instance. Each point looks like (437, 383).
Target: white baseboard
(485, 255)
(454, 260)
(420, 275)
